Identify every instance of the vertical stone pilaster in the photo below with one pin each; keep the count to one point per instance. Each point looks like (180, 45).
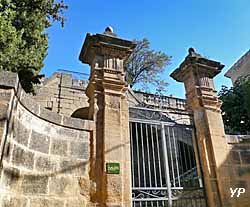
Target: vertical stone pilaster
(197, 73)
(105, 53)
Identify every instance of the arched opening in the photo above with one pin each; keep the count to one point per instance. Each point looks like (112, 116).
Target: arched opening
(81, 113)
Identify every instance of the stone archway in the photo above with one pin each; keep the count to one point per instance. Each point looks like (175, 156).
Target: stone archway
(81, 113)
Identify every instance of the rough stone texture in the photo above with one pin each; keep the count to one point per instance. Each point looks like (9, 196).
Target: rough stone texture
(45, 164)
(59, 147)
(11, 178)
(34, 184)
(20, 132)
(61, 93)
(109, 109)
(22, 157)
(40, 165)
(240, 68)
(79, 150)
(224, 159)
(62, 185)
(39, 142)
(13, 202)
(72, 166)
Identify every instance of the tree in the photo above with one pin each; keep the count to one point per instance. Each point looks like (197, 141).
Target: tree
(236, 106)
(23, 37)
(145, 66)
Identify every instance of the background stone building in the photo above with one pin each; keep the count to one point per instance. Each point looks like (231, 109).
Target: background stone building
(240, 69)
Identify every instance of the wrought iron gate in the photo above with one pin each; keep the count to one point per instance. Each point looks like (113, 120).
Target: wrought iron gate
(164, 170)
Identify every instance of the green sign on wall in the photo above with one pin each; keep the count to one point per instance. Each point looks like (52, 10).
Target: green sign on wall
(113, 168)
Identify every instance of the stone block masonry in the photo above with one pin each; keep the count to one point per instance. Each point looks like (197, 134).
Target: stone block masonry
(44, 155)
(61, 93)
(225, 161)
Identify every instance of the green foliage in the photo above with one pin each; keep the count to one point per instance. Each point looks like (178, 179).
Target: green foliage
(145, 67)
(236, 106)
(23, 40)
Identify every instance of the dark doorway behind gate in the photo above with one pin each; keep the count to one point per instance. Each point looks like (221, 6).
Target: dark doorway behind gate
(164, 169)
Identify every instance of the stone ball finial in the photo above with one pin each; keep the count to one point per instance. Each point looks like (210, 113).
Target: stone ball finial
(193, 53)
(191, 50)
(109, 29)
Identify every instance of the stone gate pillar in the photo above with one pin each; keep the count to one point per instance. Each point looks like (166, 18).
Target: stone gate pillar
(197, 73)
(110, 167)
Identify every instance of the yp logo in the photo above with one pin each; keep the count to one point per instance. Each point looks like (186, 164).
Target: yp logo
(238, 191)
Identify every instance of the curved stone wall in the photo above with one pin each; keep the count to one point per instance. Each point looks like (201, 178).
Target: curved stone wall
(45, 156)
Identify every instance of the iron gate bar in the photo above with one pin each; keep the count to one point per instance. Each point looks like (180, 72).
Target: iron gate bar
(143, 159)
(156, 156)
(150, 182)
(137, 143)
(151, 130)
(132, 155)
(171, 157)
(178, 172)
(149, 166)
(165, 157)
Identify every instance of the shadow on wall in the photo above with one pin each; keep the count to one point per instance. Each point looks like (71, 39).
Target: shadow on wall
(45, 156)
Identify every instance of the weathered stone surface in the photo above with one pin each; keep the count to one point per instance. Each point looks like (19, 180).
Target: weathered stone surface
(77, 202)
(23, 158)
(73, 167)
(114, 187)
(33, 184)
(5, 95)
(59, 147)
(63, 185)
(21, 133)
(8, 148)
(67, 133)
(68, 121)
(40, 202)
(46, 202)
(56, 203)
(84, 136)
(10, 178)
(78, 123)
(39, 142)
(3, 111)
(30, 104)
(8, 201)
(79, 150)
(8, 79)
(50, 116)
(45, 164)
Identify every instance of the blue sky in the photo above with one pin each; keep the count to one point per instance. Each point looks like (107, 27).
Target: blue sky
(218, 29)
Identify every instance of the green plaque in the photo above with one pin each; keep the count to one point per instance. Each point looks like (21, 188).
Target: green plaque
(113, 168)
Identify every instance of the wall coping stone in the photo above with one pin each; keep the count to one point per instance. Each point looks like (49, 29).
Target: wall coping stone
(237, 139)
(11, 80)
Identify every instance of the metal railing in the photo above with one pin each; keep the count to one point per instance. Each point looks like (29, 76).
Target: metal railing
(164, 171)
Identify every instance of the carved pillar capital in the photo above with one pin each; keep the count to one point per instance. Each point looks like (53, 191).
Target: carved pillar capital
(197, 73)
